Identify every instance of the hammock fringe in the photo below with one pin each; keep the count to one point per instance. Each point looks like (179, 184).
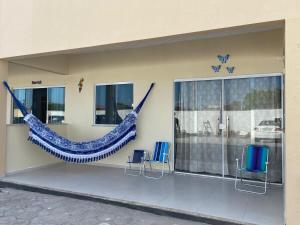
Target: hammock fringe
(77, 160)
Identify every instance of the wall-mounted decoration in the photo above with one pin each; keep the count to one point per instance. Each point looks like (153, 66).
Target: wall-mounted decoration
(230, 69)
(80, 84)
(36, 82)
(216, 68)
(223, 58)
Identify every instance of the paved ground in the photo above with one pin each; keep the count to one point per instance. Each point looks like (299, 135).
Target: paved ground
(27, 208)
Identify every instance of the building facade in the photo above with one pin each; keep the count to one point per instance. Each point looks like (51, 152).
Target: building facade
(174, 44)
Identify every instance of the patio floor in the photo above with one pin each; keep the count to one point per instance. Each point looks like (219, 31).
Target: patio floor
(194, 195)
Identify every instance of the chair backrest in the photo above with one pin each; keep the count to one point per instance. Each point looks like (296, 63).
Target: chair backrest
(255, 158)
(161, 151)
(137, 156)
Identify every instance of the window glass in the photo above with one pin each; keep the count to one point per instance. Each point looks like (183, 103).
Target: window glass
(56, 105)
(41, 102)
(25, 97)
(113, 103)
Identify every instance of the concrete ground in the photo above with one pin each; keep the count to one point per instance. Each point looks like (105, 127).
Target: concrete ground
(204, 197)
(19, 207)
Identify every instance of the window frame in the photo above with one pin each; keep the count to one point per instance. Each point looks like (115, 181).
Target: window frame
(36, 87)
(94, 100)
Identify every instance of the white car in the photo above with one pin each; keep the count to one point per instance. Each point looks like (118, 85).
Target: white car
(268, 130)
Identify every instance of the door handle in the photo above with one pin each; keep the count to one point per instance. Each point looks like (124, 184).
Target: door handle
(227, 126)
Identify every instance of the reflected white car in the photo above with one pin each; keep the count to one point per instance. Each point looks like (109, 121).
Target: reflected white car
(268, 130)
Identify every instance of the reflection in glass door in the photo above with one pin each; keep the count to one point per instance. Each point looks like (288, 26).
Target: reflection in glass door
(198, 140)
(253, 115)
(214, 119)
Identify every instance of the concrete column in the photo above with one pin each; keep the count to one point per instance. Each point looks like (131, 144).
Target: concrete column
(3, 106)
(292, 117)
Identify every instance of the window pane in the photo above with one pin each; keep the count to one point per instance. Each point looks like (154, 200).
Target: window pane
(124, 99)
(25, 97)
(56, 105)
(113, 103)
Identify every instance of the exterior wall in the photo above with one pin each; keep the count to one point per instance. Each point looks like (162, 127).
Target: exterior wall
(250, 53)
(3, 75)
(55, 63)
(292, 103)
(50, 26)
(21, 154)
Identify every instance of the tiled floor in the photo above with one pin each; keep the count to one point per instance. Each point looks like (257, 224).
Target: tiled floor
(205, 196)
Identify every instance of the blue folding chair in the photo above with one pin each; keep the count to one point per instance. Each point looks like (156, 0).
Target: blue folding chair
(255, 159)
(161, 155)
(137, 159)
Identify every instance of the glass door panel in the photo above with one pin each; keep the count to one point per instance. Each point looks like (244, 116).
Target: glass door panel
(253, 115)
(197, 115)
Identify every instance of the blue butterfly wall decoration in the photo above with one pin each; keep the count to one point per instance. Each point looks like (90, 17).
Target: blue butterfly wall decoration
(216, 68)
(223, 58)
(230, 69)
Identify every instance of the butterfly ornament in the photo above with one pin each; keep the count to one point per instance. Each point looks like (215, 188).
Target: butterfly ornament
(216, 68)
(230, 69)
(223, 58)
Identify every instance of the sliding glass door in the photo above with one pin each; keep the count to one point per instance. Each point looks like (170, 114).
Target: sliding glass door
(214, 119)
(253, 115)
(198, 140)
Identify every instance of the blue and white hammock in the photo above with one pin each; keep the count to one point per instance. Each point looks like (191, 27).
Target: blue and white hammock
(80, 152)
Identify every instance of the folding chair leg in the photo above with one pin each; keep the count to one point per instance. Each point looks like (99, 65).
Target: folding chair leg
(160, 174)
(133, 172)
(264, 187)
(141, 165)
(266, 182)
(144, 168)
(236, 178)
(125, 170)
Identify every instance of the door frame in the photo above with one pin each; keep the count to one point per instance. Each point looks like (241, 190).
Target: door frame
(222, 78)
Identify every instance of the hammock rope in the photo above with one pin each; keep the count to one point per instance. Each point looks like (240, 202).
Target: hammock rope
(85, 151)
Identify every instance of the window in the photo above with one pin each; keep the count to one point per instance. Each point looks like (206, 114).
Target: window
(56, 105)
(113, 103)
(47, 104)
